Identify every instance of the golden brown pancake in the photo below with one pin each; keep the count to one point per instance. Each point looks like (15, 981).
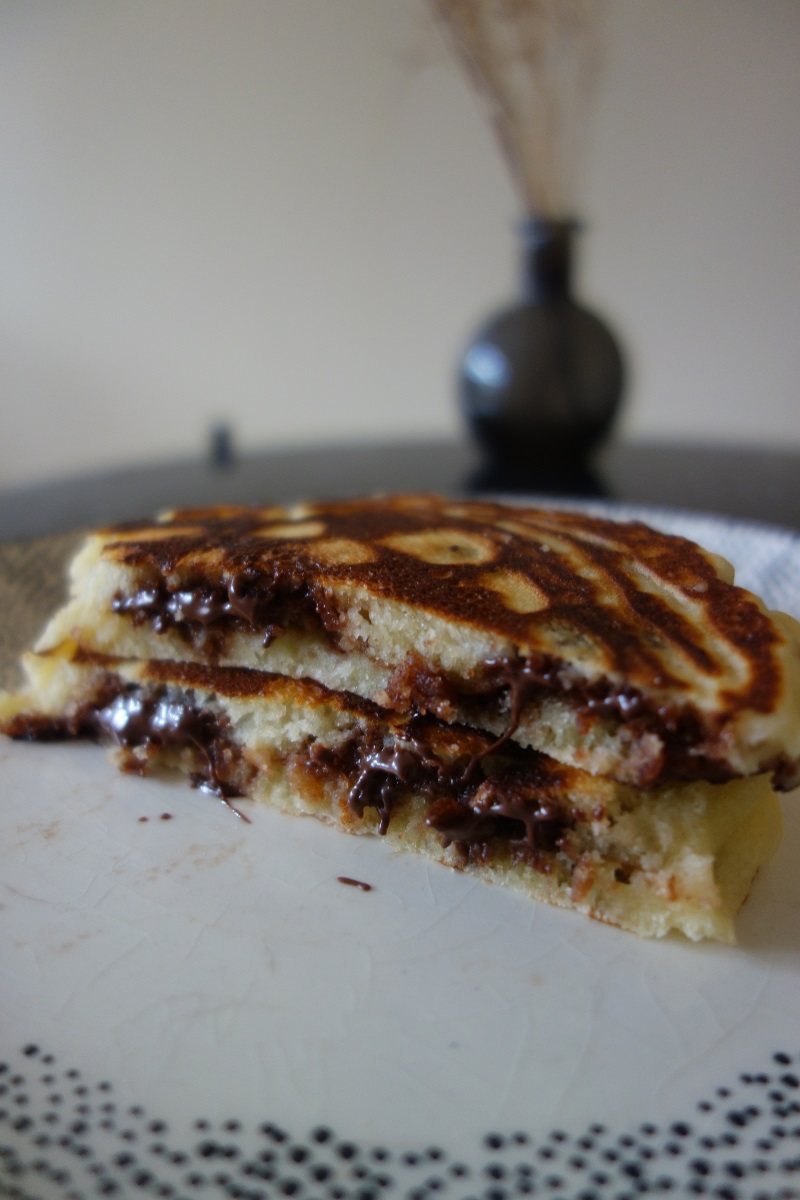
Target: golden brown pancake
(624, 651)
(586, 710)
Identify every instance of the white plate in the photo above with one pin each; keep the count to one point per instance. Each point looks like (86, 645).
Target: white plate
(200, 1007)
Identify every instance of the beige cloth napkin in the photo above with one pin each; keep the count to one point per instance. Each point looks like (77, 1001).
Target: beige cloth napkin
(32, 585)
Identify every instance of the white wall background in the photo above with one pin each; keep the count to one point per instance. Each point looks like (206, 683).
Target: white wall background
(289, 215)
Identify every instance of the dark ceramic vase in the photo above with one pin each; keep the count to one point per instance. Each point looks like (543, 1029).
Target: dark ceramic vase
(542, 381)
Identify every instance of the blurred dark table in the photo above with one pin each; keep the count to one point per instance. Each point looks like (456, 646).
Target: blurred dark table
(762, 484)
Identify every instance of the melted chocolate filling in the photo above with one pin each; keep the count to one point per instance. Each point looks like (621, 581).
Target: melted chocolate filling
(465, 805)
(133, 719)
(204, 612)
(136, 720)
(512, 683)
(382, 773)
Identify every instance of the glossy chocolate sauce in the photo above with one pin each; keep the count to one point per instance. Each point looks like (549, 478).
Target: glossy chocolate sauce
(204, 613)
(382, 773)
(465, 806)
(134, 720)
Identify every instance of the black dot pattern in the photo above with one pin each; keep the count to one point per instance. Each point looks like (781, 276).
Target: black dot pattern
(67, 1138)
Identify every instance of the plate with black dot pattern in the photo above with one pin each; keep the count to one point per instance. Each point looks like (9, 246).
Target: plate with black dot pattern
(192, 1006)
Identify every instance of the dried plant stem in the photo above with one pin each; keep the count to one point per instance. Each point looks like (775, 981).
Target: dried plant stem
(533, 64)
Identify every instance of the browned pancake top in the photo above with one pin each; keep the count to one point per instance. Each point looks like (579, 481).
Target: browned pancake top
(622, 598)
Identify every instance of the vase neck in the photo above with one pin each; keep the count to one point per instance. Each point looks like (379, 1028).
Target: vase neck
(546, 259)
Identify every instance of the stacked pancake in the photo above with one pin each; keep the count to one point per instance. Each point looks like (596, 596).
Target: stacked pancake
(586, 710)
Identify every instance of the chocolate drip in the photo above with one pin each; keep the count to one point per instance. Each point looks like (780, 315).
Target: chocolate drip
(527, 823)
(463, 806)
(384, 770)
(381, 775)
(356, 883)
(524, 682)
(167, 721)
